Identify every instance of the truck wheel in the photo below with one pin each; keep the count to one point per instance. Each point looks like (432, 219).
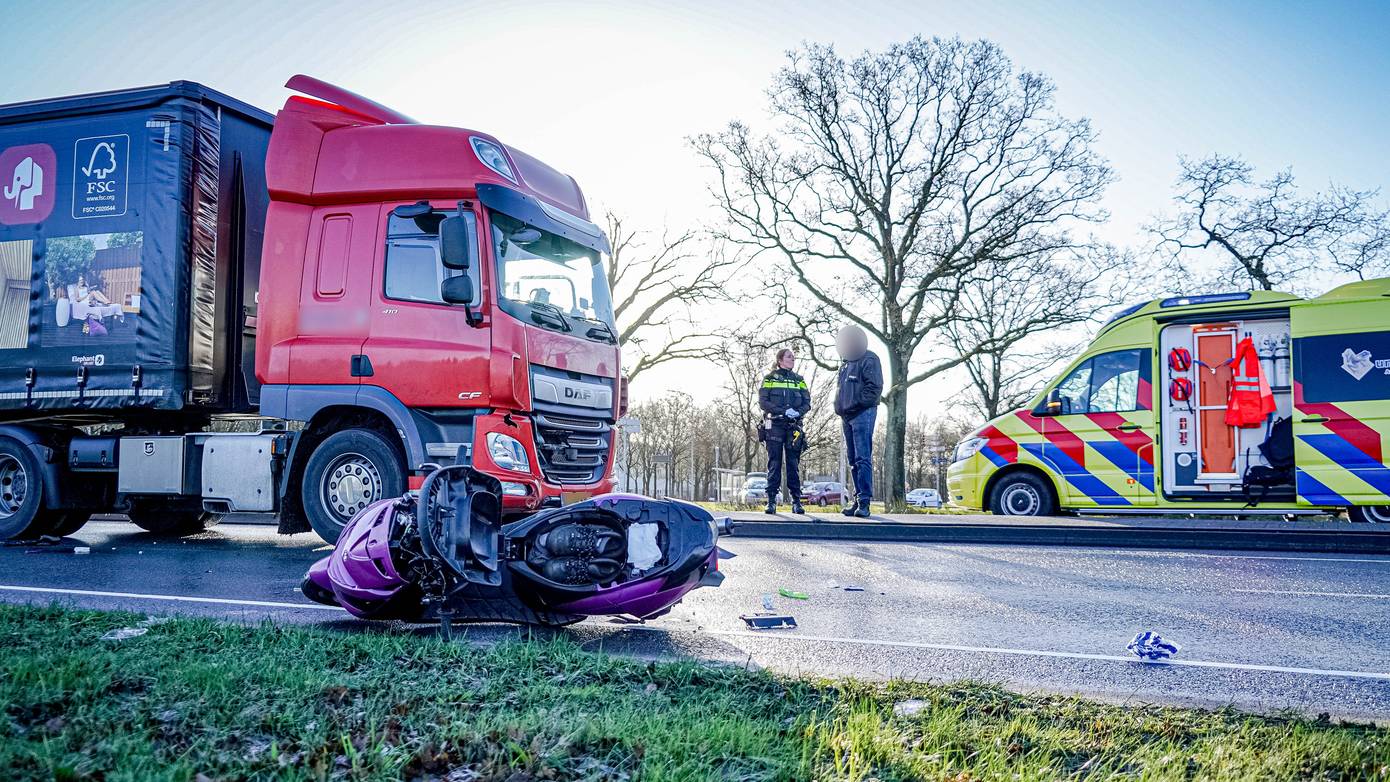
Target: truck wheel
(348, 471)
(1370, 514)
(1022, 494)
(161, 517)
(21, 492)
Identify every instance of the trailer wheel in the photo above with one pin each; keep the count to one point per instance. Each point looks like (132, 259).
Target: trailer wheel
(1370, 514)
(162, 517)
(348, 471)
(1022, 494)
(21, 492)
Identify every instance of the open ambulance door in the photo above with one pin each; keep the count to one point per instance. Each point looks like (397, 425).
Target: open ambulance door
(1341, 373)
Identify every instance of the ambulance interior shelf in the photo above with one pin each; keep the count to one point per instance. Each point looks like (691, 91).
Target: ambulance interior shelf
(1204, 455)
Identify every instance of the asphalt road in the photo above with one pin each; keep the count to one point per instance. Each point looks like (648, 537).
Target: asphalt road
(1264, 632)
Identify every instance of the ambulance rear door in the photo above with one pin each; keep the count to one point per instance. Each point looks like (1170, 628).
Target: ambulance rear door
(1341, 373)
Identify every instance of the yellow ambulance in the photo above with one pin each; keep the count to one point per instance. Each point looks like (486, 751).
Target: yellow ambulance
(1154, 417)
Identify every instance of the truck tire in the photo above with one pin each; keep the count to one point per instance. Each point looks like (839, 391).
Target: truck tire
(162, 517)
(1370, 514)
(21, 492)
(348, 471)
(1022, 494)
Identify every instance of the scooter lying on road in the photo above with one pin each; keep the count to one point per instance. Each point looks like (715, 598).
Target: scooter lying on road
(443, 554)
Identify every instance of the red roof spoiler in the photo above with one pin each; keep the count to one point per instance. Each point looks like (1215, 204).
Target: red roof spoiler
(350, 101)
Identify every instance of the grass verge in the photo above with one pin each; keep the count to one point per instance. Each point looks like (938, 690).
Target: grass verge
(202, 700)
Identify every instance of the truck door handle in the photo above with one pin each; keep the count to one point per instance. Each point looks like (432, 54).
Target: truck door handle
(1129, 426)
(1316, 419)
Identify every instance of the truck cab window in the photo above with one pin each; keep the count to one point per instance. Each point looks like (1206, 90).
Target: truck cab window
(1076, 389)
(414, 271)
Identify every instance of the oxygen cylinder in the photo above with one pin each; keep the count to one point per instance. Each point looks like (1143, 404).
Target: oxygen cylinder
(1266, 353)
(1281, 376)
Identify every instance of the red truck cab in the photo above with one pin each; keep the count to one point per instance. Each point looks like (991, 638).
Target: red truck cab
(365, 336)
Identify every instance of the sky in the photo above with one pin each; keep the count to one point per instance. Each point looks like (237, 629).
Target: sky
(610, 91)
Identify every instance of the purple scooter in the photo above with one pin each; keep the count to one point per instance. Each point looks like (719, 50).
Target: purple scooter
(445, 556)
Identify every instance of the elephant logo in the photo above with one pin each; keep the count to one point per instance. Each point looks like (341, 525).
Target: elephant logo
(26, 186)
(28, 183)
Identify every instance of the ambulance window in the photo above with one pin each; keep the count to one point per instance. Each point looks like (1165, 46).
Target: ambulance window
(1115, 380)
(1076, 389)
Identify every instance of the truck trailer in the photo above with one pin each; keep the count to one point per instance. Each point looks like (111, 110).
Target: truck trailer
(209, 310)
(1243, 403)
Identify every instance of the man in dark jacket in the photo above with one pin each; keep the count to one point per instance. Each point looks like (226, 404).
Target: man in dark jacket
(785, 401)
(856, 402)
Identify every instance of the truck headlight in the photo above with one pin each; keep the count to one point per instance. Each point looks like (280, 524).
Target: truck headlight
(507, 452)
(968, 447)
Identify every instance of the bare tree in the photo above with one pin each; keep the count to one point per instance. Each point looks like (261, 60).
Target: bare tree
(891, 178)
(655, 285)
(1009, 306)
(1267, 234)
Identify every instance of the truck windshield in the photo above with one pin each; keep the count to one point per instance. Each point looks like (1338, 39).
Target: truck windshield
(551, 281)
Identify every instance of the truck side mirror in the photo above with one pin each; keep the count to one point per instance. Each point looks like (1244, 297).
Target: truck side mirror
(457, 290)
(453, 243)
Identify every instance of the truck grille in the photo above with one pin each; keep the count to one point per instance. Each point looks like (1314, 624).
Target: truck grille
(572, 450)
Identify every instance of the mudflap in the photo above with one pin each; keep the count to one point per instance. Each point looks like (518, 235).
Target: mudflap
(460, 519)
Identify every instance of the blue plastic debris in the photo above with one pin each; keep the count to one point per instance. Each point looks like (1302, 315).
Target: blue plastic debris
(1149, 645)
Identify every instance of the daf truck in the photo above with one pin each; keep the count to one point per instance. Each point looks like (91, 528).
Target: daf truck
(1141, 421)
(208, 310)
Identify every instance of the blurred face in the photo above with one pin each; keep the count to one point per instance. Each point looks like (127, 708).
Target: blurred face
(787, 361)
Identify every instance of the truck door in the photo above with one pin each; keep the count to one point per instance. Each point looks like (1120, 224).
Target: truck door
(334, 294)
(1102, 442)
(418, 348)
(1341, 423)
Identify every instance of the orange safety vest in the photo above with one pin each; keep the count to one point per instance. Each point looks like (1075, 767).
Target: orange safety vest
(1251, 400)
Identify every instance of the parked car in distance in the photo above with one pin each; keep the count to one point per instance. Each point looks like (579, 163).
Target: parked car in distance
(823, 493)
(924, 498)
(754, 492)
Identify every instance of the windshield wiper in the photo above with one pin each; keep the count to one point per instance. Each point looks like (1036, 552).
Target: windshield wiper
(601, 330)
(561, 321)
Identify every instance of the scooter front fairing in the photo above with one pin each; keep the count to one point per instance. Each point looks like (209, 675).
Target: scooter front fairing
(445, 554)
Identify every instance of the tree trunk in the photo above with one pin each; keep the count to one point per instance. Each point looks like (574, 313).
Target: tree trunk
(895, 434)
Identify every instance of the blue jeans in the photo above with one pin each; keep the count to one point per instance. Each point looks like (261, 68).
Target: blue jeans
(859, 450)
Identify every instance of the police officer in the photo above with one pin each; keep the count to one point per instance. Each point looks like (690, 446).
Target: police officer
(785, 401)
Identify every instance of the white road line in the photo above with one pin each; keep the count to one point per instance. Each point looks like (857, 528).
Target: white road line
(1311, 594)
(171, 598)
(782, 637)
(1047, 653)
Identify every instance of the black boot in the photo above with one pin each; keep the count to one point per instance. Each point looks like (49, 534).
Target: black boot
(582, 540)
(861, 509)
(771, 509)
(849, 509)
(797, 509)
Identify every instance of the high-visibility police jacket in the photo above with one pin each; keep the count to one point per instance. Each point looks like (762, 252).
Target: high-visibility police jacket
(784, 390)
(1251, 399)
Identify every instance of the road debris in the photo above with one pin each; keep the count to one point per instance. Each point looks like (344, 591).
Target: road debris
(768, 621)
(854, 589)
(767, 603)
(784, 592)
(81, 549)
(1149, 645)
(123, 633)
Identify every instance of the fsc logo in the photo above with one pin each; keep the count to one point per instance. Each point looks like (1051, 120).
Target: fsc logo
(99, 179)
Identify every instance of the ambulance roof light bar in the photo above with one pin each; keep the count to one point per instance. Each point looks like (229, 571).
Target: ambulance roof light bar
(1210, 298)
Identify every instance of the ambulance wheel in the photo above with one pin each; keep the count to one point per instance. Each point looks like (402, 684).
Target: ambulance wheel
(21, 492)
(349, 470)
(1370, 514)
(1022, 494)
(162, 517)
